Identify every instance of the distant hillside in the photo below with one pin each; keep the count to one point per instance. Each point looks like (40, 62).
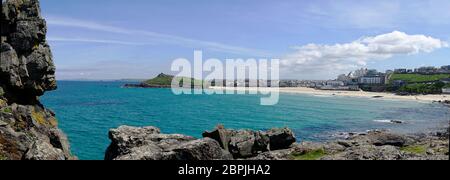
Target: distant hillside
(165, 81)
(418, 78)
(160, 80)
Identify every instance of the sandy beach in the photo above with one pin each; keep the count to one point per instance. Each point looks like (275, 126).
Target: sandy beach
(360, 94)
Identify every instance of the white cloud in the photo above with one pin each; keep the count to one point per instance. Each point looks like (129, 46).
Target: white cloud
(98, 41)
(155, 37)
(318, 60)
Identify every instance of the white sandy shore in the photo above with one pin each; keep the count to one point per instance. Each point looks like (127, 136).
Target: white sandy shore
(362, 94)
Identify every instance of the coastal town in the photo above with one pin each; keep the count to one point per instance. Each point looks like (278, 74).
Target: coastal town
(422, 80)
(423, 84)
(374, 81)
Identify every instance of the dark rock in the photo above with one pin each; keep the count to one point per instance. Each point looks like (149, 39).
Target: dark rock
(397, 122)
(129, 143)
(281, 138)
(26, 66)
(262, 142)
(28, 34)
(132, 143)
(221, 135)
(27, 130)
(381, 139)
(242, 143)
(247, 143)
(202, 149)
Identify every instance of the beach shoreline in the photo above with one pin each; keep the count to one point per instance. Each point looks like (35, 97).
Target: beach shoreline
(359, 94)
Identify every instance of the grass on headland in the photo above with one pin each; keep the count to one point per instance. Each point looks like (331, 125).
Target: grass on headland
(166, 80)
(160, 80)
(312, 155)
(418, 149)
(418, 78)
(435, 88)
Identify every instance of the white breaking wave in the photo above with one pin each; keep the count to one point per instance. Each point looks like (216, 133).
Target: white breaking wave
(390, 121)
(383, 121)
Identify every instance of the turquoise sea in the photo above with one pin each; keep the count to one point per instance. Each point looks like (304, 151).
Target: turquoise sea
(87, 110)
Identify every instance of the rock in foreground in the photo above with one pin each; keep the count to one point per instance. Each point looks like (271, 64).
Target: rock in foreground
(131, 143)
(247, 143)
(147, 143)
(376, 145)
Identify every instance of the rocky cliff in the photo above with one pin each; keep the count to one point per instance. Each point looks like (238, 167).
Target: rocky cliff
(27, 129)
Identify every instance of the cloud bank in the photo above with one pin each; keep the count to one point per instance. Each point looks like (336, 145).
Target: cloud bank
(319, 60)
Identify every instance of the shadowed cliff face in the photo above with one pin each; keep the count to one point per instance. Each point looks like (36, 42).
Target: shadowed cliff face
(27, 68)
(27, 129)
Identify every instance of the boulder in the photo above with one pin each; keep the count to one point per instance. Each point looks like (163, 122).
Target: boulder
(126, 135)
(201, 149)
(281, 138)
(247, 143)
(383, 138)
(241, 143)
(140, 143)
(147, 143)
(221, 135)
(41, 150)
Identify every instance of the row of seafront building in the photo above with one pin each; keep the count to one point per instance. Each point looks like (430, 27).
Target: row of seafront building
(426, 70)
(362, 79)
(366, 79)
(352, 81)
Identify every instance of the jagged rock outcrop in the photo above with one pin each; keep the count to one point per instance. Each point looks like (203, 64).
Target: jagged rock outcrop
(132, 143)
(147, 143)
(376, 145)
(281, 138)
(247, 143)
(27, 129)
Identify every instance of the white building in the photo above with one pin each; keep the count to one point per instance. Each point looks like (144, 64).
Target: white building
(446, 90)
(343, 77)
(335, 83)
(360, 73)
(371, 80)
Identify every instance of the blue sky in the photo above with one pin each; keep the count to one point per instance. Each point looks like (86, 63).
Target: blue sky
(115, 39)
